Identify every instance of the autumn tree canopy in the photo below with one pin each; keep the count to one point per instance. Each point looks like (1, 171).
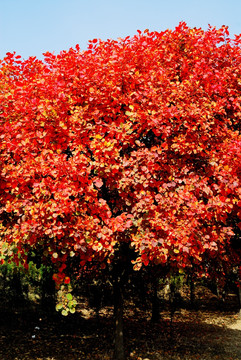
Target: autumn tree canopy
(134, 140)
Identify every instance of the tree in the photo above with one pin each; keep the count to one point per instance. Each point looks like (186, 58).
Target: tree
(132, 142)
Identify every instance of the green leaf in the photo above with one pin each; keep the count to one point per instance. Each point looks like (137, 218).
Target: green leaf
(59, 307)
(70, 304)
(60, 293)
(64, 312)
(69, 296)
(128, 113)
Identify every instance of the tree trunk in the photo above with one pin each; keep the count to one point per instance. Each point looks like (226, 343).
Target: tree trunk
(16, 286)
(48, 300)
(239, 297)
(119, 353)
(192, 291)
(239, 291)
(155, 303)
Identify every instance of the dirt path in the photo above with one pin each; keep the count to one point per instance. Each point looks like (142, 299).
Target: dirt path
(205, 335)
(236, 325)
(230, 337)
(232, 341)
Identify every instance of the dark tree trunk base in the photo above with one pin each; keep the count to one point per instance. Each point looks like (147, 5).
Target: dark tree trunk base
(119, 353)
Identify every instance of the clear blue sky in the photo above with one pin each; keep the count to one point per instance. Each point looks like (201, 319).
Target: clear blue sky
(31, 27)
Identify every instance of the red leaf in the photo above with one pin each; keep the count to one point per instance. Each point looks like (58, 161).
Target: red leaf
(66, 280)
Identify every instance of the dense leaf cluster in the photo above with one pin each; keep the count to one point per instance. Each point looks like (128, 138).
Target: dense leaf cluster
(132, 141)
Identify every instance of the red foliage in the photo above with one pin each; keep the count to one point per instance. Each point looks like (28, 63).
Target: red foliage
(135, 140)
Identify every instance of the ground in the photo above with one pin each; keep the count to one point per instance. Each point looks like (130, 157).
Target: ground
(208, 333)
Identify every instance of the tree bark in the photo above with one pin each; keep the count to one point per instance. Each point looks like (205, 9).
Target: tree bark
(239, 292)
(155, 303)
(239, 297)
(192, 291)
(119, 353)
(48, 300)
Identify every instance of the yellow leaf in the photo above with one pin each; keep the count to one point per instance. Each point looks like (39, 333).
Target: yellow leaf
(63, 125)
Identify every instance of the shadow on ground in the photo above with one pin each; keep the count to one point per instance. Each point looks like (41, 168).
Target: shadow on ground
(29, 335)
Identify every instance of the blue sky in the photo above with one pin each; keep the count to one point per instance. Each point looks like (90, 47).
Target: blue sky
(32, 27)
